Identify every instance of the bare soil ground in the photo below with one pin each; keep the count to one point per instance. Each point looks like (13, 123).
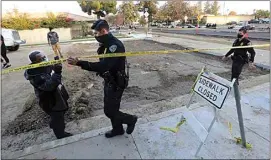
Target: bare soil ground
(152, 78)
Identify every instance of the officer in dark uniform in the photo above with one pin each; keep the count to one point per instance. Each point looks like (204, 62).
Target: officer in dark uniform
(115, 78)
(51, 94)
(240, 56)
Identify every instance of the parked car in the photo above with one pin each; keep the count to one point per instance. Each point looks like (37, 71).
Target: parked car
(231, 26)
(211, 25)
(161, 26)
(250, 27)
(188, 26)
(170, 26)
(12, 39)
(179, 25)
(264, 20)
(254, 21)
(231, 23)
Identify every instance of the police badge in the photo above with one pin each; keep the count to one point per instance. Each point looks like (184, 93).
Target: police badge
(113, 48)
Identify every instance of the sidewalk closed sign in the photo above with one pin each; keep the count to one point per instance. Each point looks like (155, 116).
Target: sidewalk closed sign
(211, 90)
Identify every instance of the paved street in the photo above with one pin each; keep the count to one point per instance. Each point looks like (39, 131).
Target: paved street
(209, 32)
(262, 58)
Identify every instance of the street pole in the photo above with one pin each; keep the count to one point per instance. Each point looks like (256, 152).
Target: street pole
(146, 14)
(239, 112)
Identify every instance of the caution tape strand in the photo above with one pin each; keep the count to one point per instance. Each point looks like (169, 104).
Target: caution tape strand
(238, 139)
(127, 54)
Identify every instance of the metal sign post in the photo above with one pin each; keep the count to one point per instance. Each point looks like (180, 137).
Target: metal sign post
(185, 19)
(204, 80)
(239, 113)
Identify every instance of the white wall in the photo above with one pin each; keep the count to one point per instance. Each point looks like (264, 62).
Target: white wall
(226, 19)
(38, 36)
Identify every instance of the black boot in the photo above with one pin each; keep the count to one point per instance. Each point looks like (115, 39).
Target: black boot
(113, 133)
(131, 127)
(66, 134)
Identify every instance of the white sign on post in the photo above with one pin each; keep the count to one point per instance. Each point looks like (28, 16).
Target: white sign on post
(215, 90)
(211, 90)
(146, 14)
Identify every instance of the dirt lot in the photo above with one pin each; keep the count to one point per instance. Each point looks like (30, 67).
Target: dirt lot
(153, 78)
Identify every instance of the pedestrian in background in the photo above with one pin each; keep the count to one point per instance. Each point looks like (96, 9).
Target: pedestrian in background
(53, 40)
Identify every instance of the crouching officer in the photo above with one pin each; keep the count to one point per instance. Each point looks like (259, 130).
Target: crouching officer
(115, 78)
(240, 56)
(51, 94)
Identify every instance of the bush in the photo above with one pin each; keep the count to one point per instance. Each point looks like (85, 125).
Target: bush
(21, 21)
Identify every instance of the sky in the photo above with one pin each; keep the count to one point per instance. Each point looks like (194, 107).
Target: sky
(241, 7)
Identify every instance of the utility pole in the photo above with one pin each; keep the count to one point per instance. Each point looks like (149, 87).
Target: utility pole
(146, 14)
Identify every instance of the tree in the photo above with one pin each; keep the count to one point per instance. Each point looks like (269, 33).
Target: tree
(262, 14)
(111, 19)
(98, 7)
(160, 16)
(215, 8)
(18, 21)
(176, 10)
(232, 13)
(21, 21)
(129, 11)
(152, 8)
(193, 11)
(199, 7)
(207, 8)
(55, 21)
(119, 19)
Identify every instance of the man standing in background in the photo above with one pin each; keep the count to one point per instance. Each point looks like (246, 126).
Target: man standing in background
(53, 40)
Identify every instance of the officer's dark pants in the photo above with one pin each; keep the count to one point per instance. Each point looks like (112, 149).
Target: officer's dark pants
(57, 123)
(112, 99)
(237, 66)
(4, 55)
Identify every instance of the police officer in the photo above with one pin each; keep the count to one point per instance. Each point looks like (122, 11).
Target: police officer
(115, 78)
(240, 56)
(51, 94)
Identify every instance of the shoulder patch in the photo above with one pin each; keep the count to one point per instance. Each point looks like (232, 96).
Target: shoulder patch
(113, 48)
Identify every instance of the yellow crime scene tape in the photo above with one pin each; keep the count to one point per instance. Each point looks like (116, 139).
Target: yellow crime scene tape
(127, 54)
(176, 129)
(238, 139)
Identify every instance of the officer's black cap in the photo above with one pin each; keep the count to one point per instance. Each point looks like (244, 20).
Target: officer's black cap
(33, 56)
(99, 24)
(243, 29)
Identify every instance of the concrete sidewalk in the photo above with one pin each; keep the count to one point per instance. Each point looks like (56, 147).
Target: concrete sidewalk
(262, 58)
(148, 141)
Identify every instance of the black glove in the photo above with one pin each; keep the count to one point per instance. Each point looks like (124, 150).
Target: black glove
(56, 58)
(58, 68)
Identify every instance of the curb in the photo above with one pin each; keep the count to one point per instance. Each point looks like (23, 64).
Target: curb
(222, 36)
(90, 134)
